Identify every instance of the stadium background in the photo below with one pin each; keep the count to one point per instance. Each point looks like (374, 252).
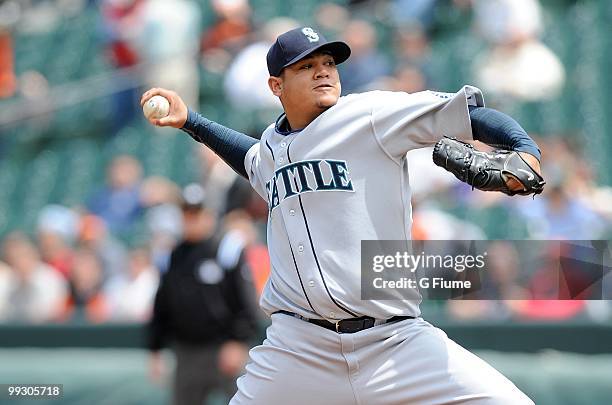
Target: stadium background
(71, 72)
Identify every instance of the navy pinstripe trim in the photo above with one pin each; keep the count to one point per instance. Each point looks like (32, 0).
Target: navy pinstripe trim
(268, 145)
(314, 253)
(297, 270)
(300, 278)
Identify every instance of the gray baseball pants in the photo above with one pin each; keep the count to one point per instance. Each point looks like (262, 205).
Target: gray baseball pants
(406, 362)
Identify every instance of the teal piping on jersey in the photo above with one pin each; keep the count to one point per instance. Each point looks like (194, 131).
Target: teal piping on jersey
(277, 126)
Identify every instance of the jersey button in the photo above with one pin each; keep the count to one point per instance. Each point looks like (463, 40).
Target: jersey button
(311, 283)
(300, 248)
(281, 160)
(283, 144)
(292, 212)
(332, 315)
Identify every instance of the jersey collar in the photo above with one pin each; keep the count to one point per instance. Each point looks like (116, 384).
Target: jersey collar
(281, 125)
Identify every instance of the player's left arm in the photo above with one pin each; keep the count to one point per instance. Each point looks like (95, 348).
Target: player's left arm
(502, 131)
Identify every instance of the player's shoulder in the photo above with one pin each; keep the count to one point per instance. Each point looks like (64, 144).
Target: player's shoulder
(381, 98)
(376, 95)
(255, 149)
(268, 132)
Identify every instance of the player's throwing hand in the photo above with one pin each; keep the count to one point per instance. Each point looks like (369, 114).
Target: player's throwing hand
(178, 110)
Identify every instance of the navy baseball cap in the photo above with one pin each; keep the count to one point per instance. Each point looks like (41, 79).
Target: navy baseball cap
(298, 43)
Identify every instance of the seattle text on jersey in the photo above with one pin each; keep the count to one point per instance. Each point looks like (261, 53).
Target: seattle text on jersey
(308, 176)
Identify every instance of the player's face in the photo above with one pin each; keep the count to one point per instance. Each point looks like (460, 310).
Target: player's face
(311, 83)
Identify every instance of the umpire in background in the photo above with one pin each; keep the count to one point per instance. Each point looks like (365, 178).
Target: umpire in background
(204, 309)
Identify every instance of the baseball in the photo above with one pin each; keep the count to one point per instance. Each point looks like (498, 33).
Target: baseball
(156, 107)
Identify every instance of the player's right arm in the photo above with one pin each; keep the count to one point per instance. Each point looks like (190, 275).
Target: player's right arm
(402, 121)
(232, 146)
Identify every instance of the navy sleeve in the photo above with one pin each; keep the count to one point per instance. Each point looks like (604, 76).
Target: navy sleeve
(232, 146)
(500, 130)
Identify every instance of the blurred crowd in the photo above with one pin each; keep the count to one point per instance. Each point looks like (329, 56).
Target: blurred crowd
(83, 262)
(390, 40)
(79, 265)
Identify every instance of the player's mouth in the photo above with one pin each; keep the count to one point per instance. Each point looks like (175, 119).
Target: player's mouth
(324, 86)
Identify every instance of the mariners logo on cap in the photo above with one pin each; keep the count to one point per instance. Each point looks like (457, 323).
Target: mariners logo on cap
(310, 34)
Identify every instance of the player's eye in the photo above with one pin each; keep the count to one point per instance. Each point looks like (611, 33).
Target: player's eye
(306, 66)
(330, 62)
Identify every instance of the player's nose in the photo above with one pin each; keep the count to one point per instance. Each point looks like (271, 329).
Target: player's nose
(322, 71)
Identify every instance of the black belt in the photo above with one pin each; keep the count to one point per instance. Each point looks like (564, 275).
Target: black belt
(350, 325)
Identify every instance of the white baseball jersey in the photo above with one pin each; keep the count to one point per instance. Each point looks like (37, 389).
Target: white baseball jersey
(341, 180)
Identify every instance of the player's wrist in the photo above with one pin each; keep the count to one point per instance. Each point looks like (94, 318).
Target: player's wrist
(194, 123)
(532, 161)
(190, 120)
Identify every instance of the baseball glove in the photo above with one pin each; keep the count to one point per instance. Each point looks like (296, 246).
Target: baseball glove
(487, 171)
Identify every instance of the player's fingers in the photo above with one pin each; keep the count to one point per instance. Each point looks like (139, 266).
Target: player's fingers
(157, 91)
(168, 121)
(147, 95)
(159, 123)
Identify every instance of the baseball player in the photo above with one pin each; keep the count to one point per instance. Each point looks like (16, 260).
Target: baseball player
(334, 172)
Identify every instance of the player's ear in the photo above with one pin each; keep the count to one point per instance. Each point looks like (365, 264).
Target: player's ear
(276, 85)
